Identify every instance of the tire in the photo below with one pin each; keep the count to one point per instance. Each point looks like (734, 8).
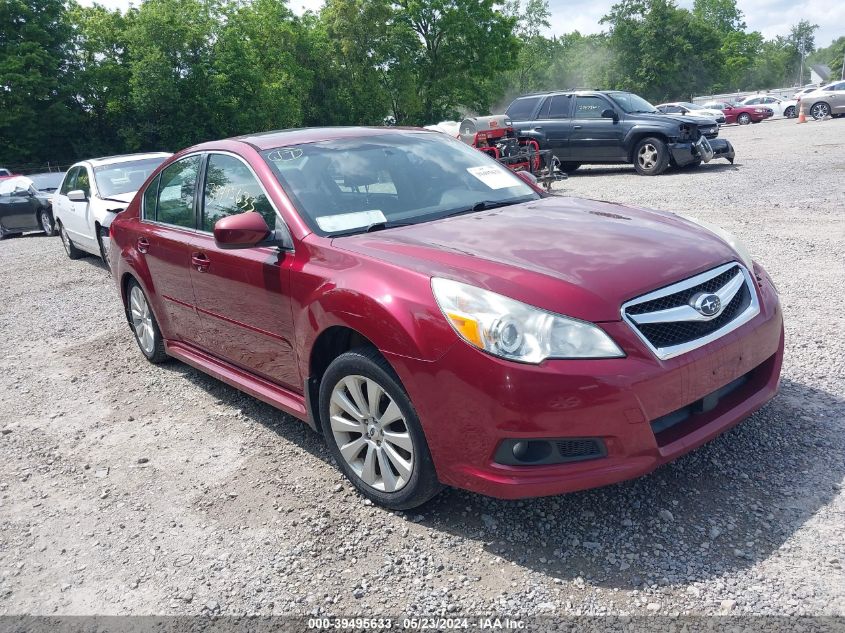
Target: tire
(790, 113)
(744, 118)
(651, 156)
(45, 219)
(101, 232)
(70, 249)
(569, 168)
(345, 392)
(144, 325)
(820, 110)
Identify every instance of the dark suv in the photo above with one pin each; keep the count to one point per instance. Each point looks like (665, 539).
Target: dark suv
(595, 127)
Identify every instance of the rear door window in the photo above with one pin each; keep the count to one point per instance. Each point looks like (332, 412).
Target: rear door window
(559, 108)
(150, 199)
(177, 190)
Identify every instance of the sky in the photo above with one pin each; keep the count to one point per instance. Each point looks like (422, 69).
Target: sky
(770, 17)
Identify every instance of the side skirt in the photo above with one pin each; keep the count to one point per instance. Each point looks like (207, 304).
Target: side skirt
(264, 390)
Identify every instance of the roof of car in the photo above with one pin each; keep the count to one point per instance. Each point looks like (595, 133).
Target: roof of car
(123, 158)
(576, 91)
(280, 138)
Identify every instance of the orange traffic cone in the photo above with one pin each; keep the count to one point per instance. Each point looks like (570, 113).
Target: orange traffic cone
(802, 117)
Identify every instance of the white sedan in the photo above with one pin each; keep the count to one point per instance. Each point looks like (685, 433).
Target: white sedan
(692, 109)
(781, 107)
(92, 193)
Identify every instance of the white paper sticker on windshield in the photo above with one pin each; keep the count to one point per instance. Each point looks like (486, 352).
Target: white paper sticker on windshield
(347, 221)
(493, 177)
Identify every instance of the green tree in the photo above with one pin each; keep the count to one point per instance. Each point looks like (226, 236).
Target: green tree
(802, 41)
(464, 47)
(174, 94)
(256, 74)
(660, 50)
(535, 53)
(101, 78)
(832, 56)
(38, 117)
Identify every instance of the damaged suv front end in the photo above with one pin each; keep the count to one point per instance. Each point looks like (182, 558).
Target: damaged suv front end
(698, 142)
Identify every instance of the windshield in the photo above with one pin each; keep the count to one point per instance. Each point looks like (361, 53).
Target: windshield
(119, 178)
(630, 102)
(47, 182)
(351, 185)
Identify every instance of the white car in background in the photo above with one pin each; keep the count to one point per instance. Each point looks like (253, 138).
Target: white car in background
(691, 109)
(92, 193)
(781, 107)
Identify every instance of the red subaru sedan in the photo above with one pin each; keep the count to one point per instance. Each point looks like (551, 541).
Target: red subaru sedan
(440, 320)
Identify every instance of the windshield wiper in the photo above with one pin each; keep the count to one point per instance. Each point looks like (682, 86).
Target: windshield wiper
(380, 226)
(484, 205)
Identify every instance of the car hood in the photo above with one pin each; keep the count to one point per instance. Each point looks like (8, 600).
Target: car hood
(124, 198)
(582, 258)
(680, 118)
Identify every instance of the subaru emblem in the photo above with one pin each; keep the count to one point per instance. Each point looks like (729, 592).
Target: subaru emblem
(707, 304)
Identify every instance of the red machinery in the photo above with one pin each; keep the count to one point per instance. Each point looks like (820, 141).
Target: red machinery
(496, 136)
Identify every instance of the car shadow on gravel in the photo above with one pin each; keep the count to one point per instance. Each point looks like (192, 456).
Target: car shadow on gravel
(721, 508)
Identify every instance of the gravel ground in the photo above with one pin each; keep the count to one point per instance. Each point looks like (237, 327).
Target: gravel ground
(127, 488)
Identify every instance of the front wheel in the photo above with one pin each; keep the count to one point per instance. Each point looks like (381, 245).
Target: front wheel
(651, 157)
(45, 218)
(70, 247)
(819, 110)
(744, 118)
(104, 243)
(790, 113)
(373, 431)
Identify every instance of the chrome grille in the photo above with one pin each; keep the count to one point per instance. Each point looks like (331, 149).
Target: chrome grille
(669, 324)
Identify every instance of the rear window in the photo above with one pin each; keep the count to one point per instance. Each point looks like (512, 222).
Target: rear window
(522, 109)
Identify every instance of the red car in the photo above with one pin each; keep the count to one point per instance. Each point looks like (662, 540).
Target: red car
(741, 114)
(441, 320)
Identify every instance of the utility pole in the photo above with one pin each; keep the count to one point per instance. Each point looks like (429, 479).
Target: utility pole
(843, 68)
(801, 72)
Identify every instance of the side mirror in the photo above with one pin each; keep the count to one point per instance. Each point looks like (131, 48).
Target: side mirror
(244, 230)
(77, 195)
(730, 107)
(609, 113)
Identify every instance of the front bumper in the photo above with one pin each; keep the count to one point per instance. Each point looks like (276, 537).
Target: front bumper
(469, 403)
(704, 149)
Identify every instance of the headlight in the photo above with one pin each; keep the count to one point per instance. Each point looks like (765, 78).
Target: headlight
(729, 238)
(517, 331)
(759, 110)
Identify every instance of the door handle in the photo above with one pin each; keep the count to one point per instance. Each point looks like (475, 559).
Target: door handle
(577, 127)
(539, 128)
(143, 244)
(200, 262)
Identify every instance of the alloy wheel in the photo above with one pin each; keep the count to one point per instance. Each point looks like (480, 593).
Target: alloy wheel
(371, 433)
(142, 319)
(820, 111)
(46, 224)
(647, 156)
